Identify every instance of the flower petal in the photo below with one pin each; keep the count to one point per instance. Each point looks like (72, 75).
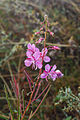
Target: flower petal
(46, 59)
(47, 67)
(44, 75)
(33, 47)
(44, 51)
(38, 64)
(28, 63)
(53, 68)
(36, 55)
(37, 50)
(29, 46)
(29, 53)
(59, 73)
(55, 48)
(54, 76)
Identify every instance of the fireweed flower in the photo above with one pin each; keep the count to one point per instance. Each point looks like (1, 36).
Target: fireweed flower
(31, 50)
(35, 57)
(54, 47)
(41, 28)
(51, 73)
(34, 60)
(36, 33)
(51, 33)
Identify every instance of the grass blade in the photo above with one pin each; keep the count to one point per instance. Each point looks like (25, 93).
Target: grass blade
(9, 105)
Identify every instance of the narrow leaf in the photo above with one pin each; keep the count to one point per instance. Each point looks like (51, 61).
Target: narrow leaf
(9, 105)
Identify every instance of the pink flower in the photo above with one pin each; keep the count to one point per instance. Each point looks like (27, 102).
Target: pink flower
(37, 33)
(54, 47)
(40, 40)
(35, 57)
(41, 28)
(59, 74)
(51, 73)
(46, 72)
(55, 74)
(34, 61)
(31, 50)
(51, 33)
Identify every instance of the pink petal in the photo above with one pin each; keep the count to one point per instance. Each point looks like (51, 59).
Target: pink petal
(39, 64)
(33, 47)
(47, 67)
(41, 28)
(44, 51)
(53, 68)
(29, 46)
(36, 55)
(46, 59)
(37, 33)
(51, 33)
(55, 48)
(28, 63)
(29, 53)
(53, 75)
(44, 75)
(59, 73)
(37, 50)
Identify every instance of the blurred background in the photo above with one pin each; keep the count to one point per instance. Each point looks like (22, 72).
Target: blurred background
(19, 19)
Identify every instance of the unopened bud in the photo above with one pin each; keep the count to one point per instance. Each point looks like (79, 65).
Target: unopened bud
(45, 17)
(37, 33)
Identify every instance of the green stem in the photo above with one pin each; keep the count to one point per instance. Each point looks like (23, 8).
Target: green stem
(45, 35)
(8, 102)
(23, 100)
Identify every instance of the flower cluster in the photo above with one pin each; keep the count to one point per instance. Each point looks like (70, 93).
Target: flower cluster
(50, 72)
(35, 57)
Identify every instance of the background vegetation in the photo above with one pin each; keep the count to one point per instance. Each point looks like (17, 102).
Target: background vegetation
(19, 19)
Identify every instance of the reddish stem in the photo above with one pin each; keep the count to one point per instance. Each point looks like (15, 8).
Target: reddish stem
(37, 90)
(41, 93)
(39, 104)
